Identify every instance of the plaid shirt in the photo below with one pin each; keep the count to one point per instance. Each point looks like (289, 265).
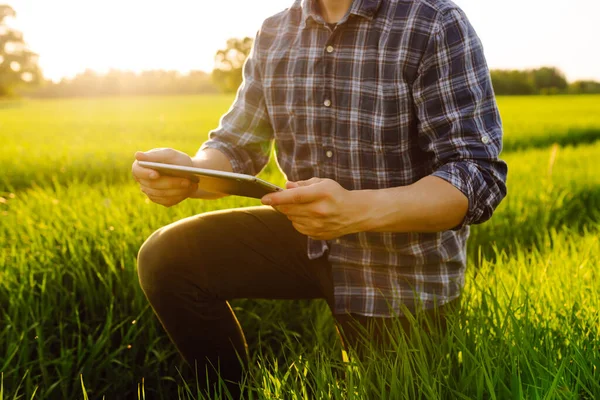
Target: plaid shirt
(396, 91)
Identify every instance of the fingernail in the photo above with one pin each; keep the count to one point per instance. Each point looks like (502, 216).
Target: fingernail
(266, 201)
(153, 175)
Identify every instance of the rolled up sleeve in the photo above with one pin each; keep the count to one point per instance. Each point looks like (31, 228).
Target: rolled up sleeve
(244, 133)
(458, 120)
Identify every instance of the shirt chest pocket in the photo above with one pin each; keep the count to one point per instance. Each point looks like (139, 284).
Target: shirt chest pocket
(386, 115)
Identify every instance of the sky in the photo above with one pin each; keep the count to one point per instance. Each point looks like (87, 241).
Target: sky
(183, 35)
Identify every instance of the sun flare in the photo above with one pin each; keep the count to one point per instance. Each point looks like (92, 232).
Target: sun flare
(137, 35)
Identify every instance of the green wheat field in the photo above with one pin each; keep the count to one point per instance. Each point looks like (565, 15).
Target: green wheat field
(74, 323)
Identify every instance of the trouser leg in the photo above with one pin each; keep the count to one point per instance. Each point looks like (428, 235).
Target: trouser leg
(190, 269)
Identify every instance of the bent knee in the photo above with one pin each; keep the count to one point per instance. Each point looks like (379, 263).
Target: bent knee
(155, 262)
(182, 256)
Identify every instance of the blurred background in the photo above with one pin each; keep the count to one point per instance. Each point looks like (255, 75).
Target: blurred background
(85, 84)
(90, 48)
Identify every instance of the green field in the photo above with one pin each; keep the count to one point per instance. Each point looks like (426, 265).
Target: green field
(74, 322)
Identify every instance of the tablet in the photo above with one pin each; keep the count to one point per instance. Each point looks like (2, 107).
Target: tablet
(215, 181)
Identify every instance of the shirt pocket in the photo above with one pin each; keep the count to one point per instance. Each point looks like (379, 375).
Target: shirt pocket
(386, 110)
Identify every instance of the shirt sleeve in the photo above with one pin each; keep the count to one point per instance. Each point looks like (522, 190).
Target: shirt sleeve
(244, 133)
(458, 120)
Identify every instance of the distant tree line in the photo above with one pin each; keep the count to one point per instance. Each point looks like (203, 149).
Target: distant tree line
(19, 73)
(127, 83)
(226, 77)
(545, 80)
(18, 70)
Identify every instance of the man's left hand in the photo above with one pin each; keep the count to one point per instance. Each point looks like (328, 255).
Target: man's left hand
(319, 208)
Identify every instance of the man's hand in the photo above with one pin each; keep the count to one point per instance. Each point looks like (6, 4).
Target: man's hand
(164, 190)
(318, 208)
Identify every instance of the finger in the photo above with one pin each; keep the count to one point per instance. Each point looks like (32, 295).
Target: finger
(156, 155)
(300, 227)
(140, 172)
(165, 201)
(168, 200)
(293, 185)
(141, 156)
(166, 182)
(309, 231)
(308, 182)
(307, 223)
(296, 210)
(301, 195)
(168, 193)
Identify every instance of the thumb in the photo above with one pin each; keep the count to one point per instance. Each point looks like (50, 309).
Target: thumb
(291, 185)
(157, 155)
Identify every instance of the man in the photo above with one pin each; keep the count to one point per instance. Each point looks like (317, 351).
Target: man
(386, 126)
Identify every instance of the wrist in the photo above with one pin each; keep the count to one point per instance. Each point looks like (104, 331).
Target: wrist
(364, 206)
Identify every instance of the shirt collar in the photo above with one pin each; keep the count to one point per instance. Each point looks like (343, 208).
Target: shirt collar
(363, 8)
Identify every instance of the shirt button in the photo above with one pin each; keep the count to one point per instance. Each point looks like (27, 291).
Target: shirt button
(329, 49)
(327, 103)
(485, 139)
(329, 154)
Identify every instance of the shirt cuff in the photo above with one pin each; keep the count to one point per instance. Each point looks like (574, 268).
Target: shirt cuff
(463, 175)
(237, 162)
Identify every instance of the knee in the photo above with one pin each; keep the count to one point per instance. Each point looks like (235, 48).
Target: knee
(153, 262)
(179, 257)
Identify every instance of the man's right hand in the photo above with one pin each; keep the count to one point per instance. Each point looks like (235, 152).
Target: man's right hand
(164, 190)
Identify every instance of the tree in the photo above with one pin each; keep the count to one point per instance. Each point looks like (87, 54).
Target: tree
(545, 80)
(549, 80)
(18, 65)
(512, 82)
(229, 62)
(584, 87)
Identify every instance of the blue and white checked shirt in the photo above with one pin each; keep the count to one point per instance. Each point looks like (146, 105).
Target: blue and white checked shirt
(396, 91)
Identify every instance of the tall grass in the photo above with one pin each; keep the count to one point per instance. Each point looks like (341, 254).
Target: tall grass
(76, 325)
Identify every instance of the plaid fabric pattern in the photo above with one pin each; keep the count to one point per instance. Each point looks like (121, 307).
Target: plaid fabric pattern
(396, 91)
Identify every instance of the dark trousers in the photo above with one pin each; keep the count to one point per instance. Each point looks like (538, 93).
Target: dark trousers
(190, 269)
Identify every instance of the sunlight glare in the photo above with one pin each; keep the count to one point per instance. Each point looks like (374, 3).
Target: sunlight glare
(72, 36)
